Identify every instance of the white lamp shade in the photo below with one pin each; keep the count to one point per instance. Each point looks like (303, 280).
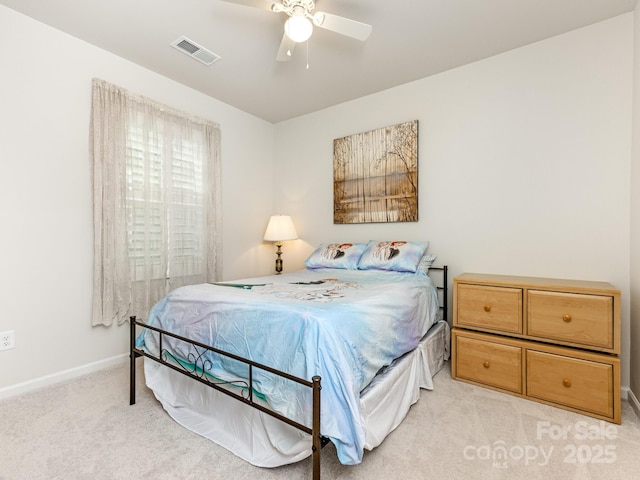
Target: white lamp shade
(280, 228)
(298, 28)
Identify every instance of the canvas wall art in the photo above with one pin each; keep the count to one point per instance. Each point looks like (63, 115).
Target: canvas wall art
(375, 176)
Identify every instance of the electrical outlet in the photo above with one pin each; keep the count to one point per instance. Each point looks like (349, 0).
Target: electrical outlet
(7, 340)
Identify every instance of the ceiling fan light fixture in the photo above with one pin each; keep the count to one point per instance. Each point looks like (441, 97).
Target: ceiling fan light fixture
(298, 28)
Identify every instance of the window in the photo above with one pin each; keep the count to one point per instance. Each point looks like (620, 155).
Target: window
(165, 205)
(156, 184)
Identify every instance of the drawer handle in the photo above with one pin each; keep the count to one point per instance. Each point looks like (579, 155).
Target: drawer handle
(566, 318)
(566, 382)
(487, 308)
(486, 364)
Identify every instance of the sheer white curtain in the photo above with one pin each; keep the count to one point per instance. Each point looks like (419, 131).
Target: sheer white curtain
(156, 202)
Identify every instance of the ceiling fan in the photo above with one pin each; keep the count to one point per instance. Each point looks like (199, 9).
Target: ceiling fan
(299, 26)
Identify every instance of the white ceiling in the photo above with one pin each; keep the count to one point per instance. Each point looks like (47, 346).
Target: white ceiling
(411, 39)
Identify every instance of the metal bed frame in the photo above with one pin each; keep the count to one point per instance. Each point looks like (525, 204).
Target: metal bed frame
(200, 367)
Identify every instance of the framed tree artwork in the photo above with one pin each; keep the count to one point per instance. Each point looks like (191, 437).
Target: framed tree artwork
(375, 176)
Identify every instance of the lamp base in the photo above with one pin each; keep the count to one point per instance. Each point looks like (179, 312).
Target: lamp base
(279, 260)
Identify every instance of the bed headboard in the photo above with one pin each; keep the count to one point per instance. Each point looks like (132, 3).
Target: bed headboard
(439, 276)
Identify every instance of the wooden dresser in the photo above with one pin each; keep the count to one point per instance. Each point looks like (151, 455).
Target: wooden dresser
(552, 341)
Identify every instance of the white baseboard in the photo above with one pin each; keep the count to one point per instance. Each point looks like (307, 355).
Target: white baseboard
(633, 401)
(59, 377)
(624, 393)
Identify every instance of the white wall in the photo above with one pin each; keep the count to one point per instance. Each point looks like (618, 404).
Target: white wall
(46, 241)
(524, 162)
(635, 219)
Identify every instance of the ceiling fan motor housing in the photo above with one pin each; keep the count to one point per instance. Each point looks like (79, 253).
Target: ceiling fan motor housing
(290, 7)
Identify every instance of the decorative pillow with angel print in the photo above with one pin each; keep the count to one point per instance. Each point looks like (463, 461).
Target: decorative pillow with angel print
(336, 255)
(395, 255)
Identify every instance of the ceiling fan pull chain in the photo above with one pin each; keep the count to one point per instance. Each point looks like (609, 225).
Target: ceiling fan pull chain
(307, 54)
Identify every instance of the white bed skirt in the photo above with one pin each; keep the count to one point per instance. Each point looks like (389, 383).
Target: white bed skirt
(265, 441)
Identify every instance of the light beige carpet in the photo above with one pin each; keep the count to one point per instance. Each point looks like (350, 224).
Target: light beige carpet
(85, 429)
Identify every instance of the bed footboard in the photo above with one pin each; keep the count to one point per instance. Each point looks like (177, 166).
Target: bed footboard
(199, 375)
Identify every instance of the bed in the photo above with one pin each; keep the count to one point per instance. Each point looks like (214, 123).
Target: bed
(286, 363)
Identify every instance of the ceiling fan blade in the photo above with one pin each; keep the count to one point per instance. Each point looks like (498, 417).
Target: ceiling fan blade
(286, 49)
(262, 4)
(342, 25)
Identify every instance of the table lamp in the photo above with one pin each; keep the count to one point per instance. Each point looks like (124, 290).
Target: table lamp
(280, 229)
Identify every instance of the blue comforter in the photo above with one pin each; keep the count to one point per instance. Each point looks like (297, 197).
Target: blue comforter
(340, 324)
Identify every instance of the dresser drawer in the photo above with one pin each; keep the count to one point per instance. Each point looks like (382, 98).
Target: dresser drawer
(489, 363)
(571, 317)
(488, 307)
(581, 384)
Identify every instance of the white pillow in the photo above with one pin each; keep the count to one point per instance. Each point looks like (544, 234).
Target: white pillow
(425, 262)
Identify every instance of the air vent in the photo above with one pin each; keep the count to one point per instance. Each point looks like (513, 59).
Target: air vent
(191, 48)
